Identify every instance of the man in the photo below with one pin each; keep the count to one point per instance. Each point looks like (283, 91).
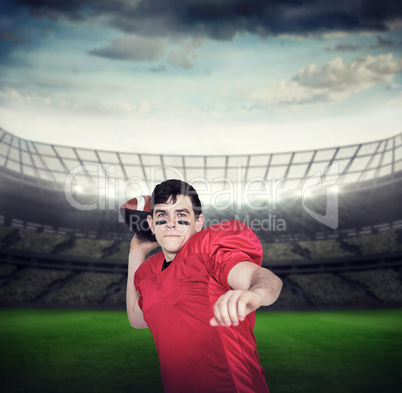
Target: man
(198, 296)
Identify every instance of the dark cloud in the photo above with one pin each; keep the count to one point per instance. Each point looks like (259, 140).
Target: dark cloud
(132, 48)
(383, 43)
(10, 37)
(223, 19)
(9, 42)
(345, 48)
(18, 32)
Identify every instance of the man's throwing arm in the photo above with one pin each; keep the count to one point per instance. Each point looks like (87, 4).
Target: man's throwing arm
(252, 287)
(139, 247)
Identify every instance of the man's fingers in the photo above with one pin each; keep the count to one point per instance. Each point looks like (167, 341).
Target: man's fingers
(223, 312)
(230, 308)
(217, 312)
(214, 322)
(241, 308)
(220, 310)
(234, 306)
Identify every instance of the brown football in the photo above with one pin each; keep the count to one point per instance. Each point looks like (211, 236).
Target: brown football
(135, 212)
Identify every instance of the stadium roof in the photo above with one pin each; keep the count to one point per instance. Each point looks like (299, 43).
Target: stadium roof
(53, 166)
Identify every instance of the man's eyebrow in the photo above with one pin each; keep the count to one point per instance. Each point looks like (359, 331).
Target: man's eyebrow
(183, 211)
(176, 210)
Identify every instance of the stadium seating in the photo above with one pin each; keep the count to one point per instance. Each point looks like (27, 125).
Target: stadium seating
(49, 286)
(383, 284)
(279, 252)
(92, 248)
(6, 270)
(30, 283)
(37, 242)
(325, 249)
(386, 242)
(4, 232)
(84, 288)
(48, 243)
(287, 298)
(118, 298)
(122, 252)
(327, 289)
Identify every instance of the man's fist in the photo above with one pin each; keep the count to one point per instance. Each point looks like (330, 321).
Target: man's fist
(234, 306)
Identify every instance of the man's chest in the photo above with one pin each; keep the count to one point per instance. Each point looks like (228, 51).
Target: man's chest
(184, 288)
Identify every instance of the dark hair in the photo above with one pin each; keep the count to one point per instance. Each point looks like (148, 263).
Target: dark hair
(172, 188)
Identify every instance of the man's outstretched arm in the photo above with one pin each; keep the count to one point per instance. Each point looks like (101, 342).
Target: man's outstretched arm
(139, 247)
(252, 287)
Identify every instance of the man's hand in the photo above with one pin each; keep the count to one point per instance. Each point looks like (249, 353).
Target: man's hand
(253, 286)
(234, 306)
(141, 245)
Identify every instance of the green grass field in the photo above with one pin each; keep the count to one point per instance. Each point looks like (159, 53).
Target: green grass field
(52, 351)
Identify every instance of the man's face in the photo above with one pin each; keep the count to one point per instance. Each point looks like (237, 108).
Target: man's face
(173, 224)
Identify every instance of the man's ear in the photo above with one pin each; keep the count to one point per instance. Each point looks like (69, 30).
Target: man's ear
(151, 224)
(199, 223)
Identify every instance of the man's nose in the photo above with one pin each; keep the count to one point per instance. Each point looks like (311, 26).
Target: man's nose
(171, 221)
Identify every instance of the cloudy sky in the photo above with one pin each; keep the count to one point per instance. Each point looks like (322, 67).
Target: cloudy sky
(201, 76)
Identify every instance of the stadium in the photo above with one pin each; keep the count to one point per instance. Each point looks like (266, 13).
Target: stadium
(329, 220)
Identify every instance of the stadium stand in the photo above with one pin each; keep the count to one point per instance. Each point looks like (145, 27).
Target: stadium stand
(30, 283)
(84, 288)
(92, 248)
(118, 298)
(287, 298)
(383, 284)
(122, 252)
(37, 242)
(325, 249)
(26, 240)
(376, 244)
(61, 287)
(4, 232)
(79, 255)
(6, 270)
(279, 252)
(327, 289)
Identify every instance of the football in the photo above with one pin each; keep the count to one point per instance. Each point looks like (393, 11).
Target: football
(135, 212)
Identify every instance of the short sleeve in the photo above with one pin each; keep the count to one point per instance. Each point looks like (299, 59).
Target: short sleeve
(232, 242)
(146, 269)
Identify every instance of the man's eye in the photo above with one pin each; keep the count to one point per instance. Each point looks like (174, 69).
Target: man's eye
(181, 215)
(161, 214)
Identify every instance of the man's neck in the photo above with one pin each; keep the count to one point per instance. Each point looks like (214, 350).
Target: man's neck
(169, 256)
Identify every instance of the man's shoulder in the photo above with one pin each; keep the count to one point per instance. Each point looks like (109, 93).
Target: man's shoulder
(215, 231)
(229, 226)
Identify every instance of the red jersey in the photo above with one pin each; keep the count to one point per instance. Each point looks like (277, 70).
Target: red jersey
(177, 306)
